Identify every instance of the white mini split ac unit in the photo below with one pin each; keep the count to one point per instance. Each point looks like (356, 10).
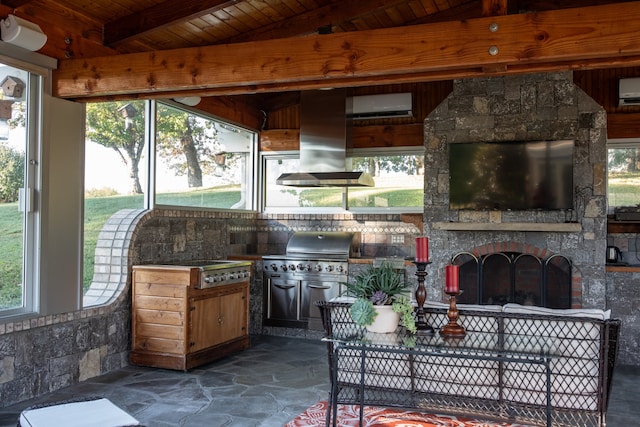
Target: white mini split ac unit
(381, 106)
(629, 92)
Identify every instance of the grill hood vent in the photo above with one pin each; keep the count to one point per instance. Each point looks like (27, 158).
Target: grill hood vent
(324, 133)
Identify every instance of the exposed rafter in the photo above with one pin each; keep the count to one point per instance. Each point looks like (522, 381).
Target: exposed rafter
(599, 36)
(309, 22)
(494, 7)
(159, 16)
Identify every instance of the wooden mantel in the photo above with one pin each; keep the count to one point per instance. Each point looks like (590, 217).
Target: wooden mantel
(578, 38)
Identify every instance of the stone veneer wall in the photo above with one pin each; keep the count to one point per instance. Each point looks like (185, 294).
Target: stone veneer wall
(527, 107)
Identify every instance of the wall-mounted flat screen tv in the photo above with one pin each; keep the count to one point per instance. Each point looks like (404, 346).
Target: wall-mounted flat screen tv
(516, 175)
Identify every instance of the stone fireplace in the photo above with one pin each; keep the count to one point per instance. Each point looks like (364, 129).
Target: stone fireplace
(521, 108)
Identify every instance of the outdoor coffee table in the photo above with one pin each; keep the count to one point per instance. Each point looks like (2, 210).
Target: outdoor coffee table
(413, 371)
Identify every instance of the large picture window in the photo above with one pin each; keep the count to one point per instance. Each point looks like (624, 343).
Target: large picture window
(398, 176)
(202, 162)
(284, 198)
(18, 143)
(116, 170)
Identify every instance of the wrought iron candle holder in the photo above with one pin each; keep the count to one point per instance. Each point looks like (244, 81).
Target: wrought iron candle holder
(421, 296)
(452, 329)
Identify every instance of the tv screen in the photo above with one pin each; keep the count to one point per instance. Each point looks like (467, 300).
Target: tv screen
(511, 175)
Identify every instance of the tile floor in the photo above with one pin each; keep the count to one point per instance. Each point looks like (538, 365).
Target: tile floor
(265, 386)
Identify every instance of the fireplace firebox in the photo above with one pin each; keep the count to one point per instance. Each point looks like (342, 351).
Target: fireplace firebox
(513, 277)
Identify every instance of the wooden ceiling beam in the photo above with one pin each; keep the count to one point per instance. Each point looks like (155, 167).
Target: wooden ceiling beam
(596, 37)
(159, 16)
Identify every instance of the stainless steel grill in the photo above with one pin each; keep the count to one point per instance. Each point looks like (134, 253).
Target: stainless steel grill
(221, 272)
(314, 266)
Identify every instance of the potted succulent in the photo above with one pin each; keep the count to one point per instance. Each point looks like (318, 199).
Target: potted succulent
(381, 303)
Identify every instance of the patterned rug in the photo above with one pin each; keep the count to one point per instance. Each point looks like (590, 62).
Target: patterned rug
(349, 416)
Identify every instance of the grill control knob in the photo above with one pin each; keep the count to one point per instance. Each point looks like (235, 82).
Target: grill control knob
(231, 276)
(329, 268)
(274, 267)
(318, 267)
(339, 269)
(223, 277)
(208, 279)
(306, 267)
(283, 267)
(292, 267)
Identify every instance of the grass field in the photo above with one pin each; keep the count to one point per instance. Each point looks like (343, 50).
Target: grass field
(624, 189)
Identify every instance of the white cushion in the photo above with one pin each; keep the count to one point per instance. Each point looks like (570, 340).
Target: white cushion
(92, 413)
(594, 313)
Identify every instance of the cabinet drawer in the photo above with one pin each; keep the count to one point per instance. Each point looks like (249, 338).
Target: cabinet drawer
(159, 303)
(159, 345)
(147, 330)
(159, 317)
(160, 290)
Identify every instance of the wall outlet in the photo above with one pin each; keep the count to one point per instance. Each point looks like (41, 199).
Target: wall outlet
(397, 239)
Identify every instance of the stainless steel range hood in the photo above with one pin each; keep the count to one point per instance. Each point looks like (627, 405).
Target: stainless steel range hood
(324, 134)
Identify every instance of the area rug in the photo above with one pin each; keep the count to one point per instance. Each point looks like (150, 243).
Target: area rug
(349, 416)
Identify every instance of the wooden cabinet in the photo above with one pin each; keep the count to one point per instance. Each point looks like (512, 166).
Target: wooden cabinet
(623, 226)
(177, 326)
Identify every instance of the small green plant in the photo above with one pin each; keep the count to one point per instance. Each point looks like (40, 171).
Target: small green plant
(403, 306)
(380, 286)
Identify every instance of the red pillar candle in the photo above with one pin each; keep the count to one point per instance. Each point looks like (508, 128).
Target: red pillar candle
(422, 249)
(452, 279)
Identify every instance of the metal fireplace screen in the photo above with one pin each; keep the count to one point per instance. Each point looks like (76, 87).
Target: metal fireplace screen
(505, 277)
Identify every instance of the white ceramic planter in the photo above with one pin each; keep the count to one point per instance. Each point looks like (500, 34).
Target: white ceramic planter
(386, 321)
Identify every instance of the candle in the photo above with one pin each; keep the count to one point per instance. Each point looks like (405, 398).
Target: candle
(422, 249)
(452, 279)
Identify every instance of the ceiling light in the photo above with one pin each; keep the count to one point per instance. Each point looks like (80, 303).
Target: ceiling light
(191, 101)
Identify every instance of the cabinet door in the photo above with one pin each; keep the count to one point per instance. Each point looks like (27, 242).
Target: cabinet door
(206, 319)
(233, 308)
(219, 318)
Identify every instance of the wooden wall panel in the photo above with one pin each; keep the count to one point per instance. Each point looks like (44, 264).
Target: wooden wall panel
(602, 86)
